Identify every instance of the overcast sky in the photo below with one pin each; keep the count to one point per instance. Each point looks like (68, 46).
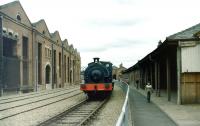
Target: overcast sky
(119, 31)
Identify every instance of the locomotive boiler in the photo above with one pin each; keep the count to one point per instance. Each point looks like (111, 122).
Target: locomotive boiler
(98, 79)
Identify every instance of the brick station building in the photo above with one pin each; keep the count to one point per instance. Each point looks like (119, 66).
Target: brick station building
(32, 58)
(117, 72)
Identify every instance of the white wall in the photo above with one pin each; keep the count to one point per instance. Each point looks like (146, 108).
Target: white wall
(190, 58)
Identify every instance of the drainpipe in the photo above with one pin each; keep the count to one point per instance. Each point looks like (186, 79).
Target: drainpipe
(62, 67)
(52, 66)
(178, 54)
(36, 59)
(1, 56)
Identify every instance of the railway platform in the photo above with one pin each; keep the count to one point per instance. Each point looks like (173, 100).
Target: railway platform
(182, 115)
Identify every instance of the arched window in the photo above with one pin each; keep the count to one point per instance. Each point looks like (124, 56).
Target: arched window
(18, 17)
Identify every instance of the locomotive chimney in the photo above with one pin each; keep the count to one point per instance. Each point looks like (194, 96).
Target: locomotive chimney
(96, 60)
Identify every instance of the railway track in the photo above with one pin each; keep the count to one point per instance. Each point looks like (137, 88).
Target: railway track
(77, 115)
(11, 110)
(6, 106)
(30, 95)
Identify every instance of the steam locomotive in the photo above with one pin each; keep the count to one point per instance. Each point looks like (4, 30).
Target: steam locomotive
(98, 79)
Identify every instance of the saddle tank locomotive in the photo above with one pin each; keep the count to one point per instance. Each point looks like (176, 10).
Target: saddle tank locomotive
(98, 79)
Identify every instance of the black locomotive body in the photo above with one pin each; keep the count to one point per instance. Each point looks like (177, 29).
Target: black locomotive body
(98, 79)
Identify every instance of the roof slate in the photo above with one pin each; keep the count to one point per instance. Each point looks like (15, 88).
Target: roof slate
(9, 4)
(186, 34)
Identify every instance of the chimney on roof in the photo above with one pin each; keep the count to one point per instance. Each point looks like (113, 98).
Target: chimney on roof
(159, 43)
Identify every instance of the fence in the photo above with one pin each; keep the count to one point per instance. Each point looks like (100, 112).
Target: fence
(123, 119)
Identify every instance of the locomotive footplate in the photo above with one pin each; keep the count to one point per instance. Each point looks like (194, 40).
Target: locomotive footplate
(97, 87)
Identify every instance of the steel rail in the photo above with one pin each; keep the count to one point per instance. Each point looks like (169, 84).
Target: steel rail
(71, 109)
(44, 99)
(58, 116)
(33, 94)
(91, 114)
(2, 118)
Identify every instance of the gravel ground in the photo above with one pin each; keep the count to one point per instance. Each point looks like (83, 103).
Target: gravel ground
(32, 118)
(35, 99)
(109, 114)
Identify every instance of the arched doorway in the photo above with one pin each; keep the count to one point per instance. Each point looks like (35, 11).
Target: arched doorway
(70, 77)
(48, 77)
(114, 76)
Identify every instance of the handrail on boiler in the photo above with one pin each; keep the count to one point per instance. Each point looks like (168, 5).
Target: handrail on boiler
(123, 118)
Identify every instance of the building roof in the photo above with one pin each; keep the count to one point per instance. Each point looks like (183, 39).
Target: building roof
(42, 21)
(56, 37)
(114, 67)
(186, 34)
(9, 4)
(35, 23)
(55, 34)
(134, 67)
(14, 4)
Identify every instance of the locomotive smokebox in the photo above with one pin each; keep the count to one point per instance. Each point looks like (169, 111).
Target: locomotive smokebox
(96, 76)
(96, 60)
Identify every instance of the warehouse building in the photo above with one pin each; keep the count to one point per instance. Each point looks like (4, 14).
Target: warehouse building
(173, 67)
(32, 58)
(117, 72)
